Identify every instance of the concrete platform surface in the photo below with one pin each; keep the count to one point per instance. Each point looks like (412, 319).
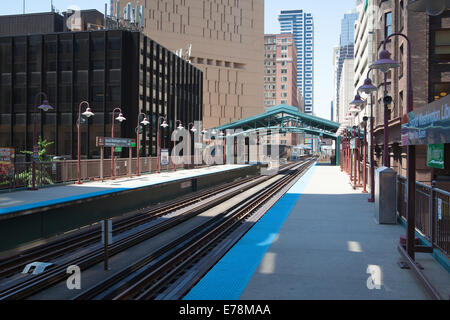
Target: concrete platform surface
(23, 200)
(320, 241)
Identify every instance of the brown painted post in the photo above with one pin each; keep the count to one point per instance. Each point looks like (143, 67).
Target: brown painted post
(106, 240)
(130, 159)
(365, 158)
(102, 156)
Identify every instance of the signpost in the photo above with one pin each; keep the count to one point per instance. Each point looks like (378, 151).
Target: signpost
(117, 144)
(353, 143)
(164, 157)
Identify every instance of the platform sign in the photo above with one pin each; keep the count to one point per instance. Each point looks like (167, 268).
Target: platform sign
(115, 142)
(7, 162)
(164, 157)
(435, 156)
(100, 141)
(429, 124)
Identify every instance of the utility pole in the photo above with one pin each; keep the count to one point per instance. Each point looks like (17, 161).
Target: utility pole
(23, 6)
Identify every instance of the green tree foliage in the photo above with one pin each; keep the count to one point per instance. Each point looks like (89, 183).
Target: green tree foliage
(42, 175)
(42, 146)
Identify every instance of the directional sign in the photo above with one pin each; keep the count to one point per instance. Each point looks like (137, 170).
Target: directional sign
(115, 142)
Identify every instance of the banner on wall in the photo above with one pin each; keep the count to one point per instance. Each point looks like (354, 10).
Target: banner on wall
(435, 155)
(7, 162)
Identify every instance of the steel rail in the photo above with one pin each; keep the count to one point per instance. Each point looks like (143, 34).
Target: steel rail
(16, 263)
(158, 261)
(42, 281)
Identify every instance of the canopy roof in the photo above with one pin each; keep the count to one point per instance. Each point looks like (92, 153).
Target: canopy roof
(288, 119)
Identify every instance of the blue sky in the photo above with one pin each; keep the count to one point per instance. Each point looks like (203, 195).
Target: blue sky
(327, 16)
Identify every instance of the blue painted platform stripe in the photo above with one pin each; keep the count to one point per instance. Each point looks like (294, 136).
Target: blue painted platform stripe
(229, 277)
(39, 204)
(57, 201)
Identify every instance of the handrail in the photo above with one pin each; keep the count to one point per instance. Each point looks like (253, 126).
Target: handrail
(446, 193)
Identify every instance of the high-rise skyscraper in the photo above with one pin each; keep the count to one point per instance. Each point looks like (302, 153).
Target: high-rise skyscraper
(301, 25)
(344, 65)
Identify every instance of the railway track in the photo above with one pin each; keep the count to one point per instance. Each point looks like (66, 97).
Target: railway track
(146, 278)
(16, 263)
(34, 284)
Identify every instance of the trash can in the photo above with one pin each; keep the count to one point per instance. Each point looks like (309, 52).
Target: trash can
(385, 196)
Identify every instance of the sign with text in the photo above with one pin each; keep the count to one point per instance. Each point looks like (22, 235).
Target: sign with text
(6, 162)
(435, 155)
(164, 157)
(429, 124)
(115, 142)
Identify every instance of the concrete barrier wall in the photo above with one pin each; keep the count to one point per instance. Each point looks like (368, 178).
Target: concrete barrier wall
(46, 222)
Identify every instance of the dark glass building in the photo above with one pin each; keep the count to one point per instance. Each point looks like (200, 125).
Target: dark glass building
(108, 68)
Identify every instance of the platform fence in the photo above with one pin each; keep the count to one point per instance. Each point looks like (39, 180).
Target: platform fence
(66, 171)
(432, 212)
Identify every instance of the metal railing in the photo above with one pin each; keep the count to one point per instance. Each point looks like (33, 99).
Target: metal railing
(48, 173)
(432, 213)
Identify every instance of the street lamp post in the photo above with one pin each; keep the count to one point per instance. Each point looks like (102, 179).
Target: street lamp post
(120, 118)
(384, 64)
(88, 113)
(369, 88)
(365, 155)
(180, 127)
(45, 107)
(144, 122)
(193, 130)
(221, 135)
(359, 104)
(158, 149)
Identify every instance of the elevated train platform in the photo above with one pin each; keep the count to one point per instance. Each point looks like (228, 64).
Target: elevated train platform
(319, 241)
(28, 216)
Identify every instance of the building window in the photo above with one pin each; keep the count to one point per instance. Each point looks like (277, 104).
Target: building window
(441, 45)
(387, 24)
(439, 90)
(283, 79)
(283, 70)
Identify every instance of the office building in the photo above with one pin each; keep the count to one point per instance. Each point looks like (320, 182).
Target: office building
(300, 24)
(227, 38)
(344, 55)
(46, 22)
(280, 75)
(280, 71)
(109, 69)
(365, 45)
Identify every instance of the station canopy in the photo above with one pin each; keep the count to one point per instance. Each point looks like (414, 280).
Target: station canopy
(286, 118)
